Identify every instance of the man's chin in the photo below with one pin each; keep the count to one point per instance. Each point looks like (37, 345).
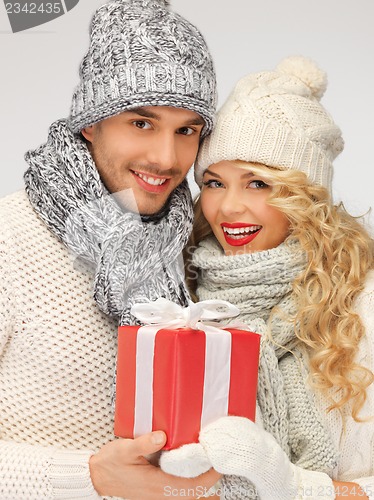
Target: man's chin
(153, 210)
(144, 204)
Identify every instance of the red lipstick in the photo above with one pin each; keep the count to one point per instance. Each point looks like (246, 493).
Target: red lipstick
(240, 238)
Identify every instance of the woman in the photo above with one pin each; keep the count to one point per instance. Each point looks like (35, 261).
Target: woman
(269, 239)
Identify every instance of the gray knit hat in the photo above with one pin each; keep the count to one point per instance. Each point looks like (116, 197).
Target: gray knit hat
(142, 54)
(276, 118)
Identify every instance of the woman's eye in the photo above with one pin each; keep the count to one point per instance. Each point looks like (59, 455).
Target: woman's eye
(186, 131)
(258, 185)
(141, 124)
(212, 183)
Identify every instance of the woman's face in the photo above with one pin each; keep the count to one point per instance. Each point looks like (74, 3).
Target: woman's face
(234, 202)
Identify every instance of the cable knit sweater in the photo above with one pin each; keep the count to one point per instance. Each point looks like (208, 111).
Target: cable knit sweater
(57, 361)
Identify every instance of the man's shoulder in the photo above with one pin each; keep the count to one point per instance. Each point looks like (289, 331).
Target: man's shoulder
(13, 207)
(18, 218)
(15, 200)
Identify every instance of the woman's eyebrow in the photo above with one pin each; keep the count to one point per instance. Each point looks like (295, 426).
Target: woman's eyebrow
(246, 174)
(210, 172)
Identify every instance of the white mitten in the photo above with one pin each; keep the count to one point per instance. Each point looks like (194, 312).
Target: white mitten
(189, 460)
(239, 447)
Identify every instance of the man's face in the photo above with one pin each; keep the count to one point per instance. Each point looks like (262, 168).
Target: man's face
(148, 150)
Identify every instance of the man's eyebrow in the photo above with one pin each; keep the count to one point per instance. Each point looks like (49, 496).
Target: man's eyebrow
(196, 121)
(146, 113)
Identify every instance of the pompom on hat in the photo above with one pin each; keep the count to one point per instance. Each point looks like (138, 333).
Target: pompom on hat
(143, 54)
(275, 118)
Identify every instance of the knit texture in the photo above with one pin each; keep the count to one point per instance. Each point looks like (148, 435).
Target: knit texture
(256, 283)
(57, 362)
(356, 442)
(57, 358)
(133, 261)
(143, 54)
(237, 446)
(275, 118)
(241, 280)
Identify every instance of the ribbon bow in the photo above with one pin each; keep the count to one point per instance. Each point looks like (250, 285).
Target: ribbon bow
(164, 313)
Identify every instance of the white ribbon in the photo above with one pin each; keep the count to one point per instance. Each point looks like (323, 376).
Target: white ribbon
(163, 313)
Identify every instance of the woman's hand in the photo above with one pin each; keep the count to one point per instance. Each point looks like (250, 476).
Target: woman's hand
(237, 446)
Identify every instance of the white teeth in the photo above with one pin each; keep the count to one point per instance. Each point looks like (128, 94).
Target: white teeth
(241, 230)
(151, 180)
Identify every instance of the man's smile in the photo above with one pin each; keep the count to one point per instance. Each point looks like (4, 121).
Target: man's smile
(151, 183)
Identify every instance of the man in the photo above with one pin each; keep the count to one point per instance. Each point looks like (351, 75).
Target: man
(146, 97)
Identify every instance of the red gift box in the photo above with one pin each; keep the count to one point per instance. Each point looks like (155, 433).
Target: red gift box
(185, 395)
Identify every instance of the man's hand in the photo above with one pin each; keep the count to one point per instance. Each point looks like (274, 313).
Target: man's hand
(120, 469)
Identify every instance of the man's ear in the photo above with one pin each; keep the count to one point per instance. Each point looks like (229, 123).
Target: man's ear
(87, 133)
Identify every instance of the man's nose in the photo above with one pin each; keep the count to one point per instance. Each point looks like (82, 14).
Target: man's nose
(163, 151)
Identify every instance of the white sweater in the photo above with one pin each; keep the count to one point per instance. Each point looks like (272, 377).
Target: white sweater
(356, 444)
(57, 361)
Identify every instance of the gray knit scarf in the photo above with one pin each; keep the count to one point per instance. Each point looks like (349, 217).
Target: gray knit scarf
(134, 258)
(256, 283)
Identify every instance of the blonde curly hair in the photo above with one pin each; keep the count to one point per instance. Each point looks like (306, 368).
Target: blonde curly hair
(340, 252)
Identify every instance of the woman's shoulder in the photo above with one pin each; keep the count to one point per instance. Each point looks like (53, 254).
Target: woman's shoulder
(365, 304)
(368, 291)
(370, 280)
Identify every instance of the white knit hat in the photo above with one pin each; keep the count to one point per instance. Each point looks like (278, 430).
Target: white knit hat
(275, 118)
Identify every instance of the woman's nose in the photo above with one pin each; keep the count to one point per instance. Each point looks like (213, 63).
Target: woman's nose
(232, 203)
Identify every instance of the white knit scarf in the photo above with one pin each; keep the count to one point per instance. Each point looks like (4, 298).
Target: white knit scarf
(134, 258)
(256, 283)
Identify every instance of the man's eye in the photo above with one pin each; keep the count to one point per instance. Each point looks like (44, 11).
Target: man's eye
(212, 183)
(141, 124)
(186, 131)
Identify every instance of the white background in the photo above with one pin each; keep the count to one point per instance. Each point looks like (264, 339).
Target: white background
(39, 70)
